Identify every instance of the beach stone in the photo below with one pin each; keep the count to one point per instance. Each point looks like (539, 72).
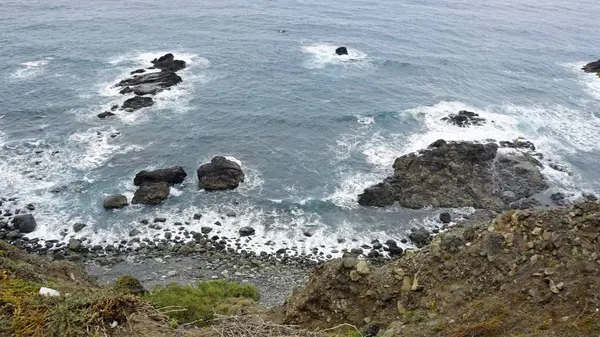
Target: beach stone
(220, 174)
(445, 217)
(362, 267)
(152, 194)
(134, 232)
(24, 223)
(78, 227)
(74, 245)
(247, 231)
(197, 216)
(172, 175)
(205, 230)
(115, 201)
(160, 220)
(420, 237)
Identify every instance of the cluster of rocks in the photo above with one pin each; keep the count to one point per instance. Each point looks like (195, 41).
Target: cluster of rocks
(145, 84)
(153, 186)
(458, 174)
(464, 119)
(14, 221)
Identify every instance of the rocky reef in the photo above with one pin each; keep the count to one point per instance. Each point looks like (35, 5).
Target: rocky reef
(458, 174)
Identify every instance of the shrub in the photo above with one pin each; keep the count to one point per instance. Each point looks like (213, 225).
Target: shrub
(199, 303)
(130, 285)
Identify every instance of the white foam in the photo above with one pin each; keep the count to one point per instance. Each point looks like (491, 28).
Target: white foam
(591, 81)
(96, 146)
(323, 55)
(30, 70)
(345, 195)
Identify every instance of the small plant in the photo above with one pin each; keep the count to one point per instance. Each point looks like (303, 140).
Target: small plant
(130, 285)
(199, 303)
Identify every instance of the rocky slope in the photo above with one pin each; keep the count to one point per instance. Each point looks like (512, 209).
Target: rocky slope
(526, 273)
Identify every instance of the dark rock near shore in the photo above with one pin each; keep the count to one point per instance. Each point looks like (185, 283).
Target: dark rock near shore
(220, 174)
(518, 144)
(592, 67)
(205, 230)
(24, 223)
(78, 227)
(457, 174)
(420, 237)
(465, 118)
(168, 62)
(445, 217)
(115, 201)
(341, 51)
(246, 231)
(152, 194)
(172, 175)
(105, 114)
(138, 71)
(136, 103)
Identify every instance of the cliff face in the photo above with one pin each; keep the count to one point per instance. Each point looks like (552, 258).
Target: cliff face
(530, 273)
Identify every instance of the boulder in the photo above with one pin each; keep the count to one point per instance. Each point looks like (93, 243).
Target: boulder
(172, 175)
(74, 245)
(24, 223)
(457, 174)
(246, 231)
(151, 194)
(518, 144)
(105, 114)
(168, 62)
(445, 218)
(592, 67)
(464, 118)
(220, 174)
(341, 51)
(138, 71)
(138, 102)
(78, 227)
(115, 201)
(420, 237)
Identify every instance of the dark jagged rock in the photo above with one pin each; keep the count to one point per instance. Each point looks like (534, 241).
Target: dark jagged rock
(168, 62)
(151, 194)
(465, 118)
(115, 201)
(105, 114)
(341, 51)
(457, 174)
(445, 218)
(518, 144)
(172, 175)
(78, 227)
(149, 83)
(138, 102)
(220, 174)
(138, 71)
(24, 223)
(592, 67)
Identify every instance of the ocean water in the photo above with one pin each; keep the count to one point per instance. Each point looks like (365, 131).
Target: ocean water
(310, 129)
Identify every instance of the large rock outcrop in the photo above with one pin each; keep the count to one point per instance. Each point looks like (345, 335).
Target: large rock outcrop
(592, 67)
(168, 62)
(151, 194)
(220, 174)
(172, 175)
(458, 174)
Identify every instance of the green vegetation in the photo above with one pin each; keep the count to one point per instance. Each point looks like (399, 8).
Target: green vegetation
(129, 285)
(198, 304)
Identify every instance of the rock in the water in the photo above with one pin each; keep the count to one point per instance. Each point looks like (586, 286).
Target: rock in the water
(151, 194)
(78, 227)
(341, 51)
(518, 144)
(105, 114)
(457, 174)
(138, 71)
(172, 175)
(420, 237)
(74, 245)
(138, 102)
(115, 201)
(168, 62)
(445, 217)
(592, 67)
(465, 118)
(246, 231)
(24, 223)
(220, 174)
(205, 229)
(149, 83)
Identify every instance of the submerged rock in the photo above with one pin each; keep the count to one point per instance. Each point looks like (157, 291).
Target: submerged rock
(172, 175)
(24, 223)
(105, 114)
(457, 174)
(341, 51)
(152, 194)
(220, 174)
(465, 118)
(115, 201)
(246, 231)
(138, 102)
